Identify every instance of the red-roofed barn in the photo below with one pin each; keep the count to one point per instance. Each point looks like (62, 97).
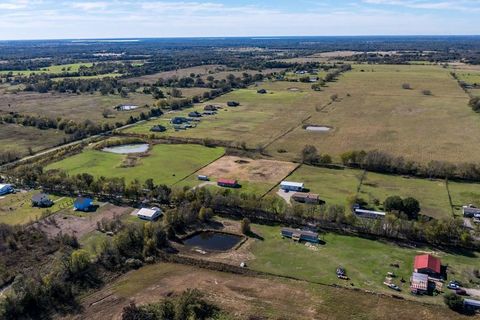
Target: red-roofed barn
(427, 264)
(229, 183)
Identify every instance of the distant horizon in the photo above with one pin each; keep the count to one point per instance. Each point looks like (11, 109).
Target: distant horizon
(255, 37)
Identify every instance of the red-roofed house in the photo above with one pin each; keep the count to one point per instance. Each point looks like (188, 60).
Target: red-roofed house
(427, 264)
(229, 183)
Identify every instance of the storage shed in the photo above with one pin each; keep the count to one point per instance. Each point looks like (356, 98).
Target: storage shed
(300, 235)
(83, 204)
(227, 183)
(149, 214)
(310, 198)
(291, 186)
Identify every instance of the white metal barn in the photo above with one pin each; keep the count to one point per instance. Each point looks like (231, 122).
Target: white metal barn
(149, 214)
(5, 189)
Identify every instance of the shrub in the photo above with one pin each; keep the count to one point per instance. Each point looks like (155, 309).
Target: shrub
(453, 301)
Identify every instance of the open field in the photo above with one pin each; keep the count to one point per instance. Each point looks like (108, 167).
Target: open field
(258, 120)
(18, 138)
(165, 164)
(366, 261)
(374, 112)
(72, 106)
(74, 67)
(79, 224)
(201, 70)
(432, 195)
(17, 209)
(255, 176)
(245, 296)
(336, 186)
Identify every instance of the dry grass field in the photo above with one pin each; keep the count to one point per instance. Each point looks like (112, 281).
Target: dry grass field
(202, 70)
(373, 111)
(260, 170)
(245, 296)
(72, 106)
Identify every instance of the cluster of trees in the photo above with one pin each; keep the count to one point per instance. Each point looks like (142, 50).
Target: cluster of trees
(42, 83)
(196, 80)
(188, 305)
(408, 206)
(311, 156)
(333, 75)
(378, 161)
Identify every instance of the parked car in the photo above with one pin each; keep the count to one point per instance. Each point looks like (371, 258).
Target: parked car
(394, 287)
(453, 285)
(461, 292)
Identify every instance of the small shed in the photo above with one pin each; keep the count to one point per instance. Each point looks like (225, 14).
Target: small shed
(6, 189)
(202, 177)
(83, 204)
(227, 183)
(41, 200)
(310, 198)
(369, 214)
(300, 235)
(149, 214)
(291, 186)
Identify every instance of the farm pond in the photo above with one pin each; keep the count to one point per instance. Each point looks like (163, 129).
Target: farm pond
(128, 148)
(213, 241)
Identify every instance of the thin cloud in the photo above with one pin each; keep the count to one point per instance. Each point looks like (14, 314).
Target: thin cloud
(87, 6)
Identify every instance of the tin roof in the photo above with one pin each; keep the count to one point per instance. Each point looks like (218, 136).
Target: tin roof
(426, 261)
(292, 184)
(227, 181)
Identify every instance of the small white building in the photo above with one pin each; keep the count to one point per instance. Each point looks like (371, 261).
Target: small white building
(291, 186)
(5, 189)
(149, 214)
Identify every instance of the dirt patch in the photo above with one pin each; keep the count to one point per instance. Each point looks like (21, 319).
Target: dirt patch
(79, 226)
(245, 169)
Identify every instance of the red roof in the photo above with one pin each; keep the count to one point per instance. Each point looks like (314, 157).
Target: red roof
(227, 181)
(427, 261)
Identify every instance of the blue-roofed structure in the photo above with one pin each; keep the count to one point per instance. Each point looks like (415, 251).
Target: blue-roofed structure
(83, 204)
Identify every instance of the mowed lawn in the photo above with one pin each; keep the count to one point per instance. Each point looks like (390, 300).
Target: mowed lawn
(333, 186)
(374, 112)
(166, 164)
(432, 194)
(17, 209)
(259, 119)
(366, 261)
(337, 186)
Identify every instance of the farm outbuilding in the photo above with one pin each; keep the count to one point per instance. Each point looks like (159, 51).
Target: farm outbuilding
(419, 283)
(83, 204)
(227, 183)
(41, 200)
(149, 214)
(428, 264)
(6, 189)
(369, 214)
(300, 235)
(310, 198)
(292, 186)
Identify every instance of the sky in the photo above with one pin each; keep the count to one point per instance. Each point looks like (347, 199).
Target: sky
(77, 19)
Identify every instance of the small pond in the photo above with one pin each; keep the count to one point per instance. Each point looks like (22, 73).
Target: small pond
(209, 240)
(128, 148)
(318, 128)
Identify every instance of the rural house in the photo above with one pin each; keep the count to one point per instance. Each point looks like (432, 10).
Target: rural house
(291, 186)
(6, 189)
(41, 200)
(227, 183)
(83, 204)
(428, 264)
(470, 211)
(300, 235)
(149, 214)
(310, 198)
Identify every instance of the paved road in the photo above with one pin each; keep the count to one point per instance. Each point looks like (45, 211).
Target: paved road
(87, 139)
